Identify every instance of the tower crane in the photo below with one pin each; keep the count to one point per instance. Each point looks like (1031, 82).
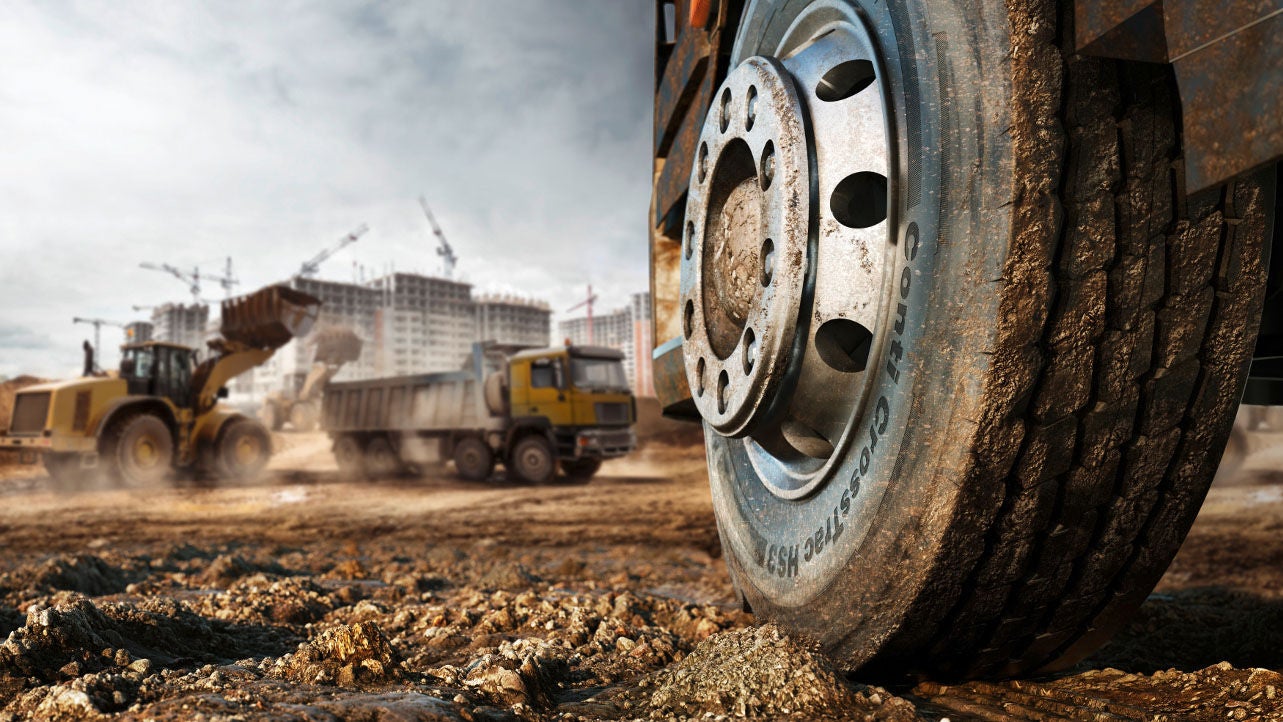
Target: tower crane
(444, 249)
(588, 302)
(97, 323)
(310, 267)
(193, 279)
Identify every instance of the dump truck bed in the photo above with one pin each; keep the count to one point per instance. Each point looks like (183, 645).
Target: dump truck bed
(438, 402)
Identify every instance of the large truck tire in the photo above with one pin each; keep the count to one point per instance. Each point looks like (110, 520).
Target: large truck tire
(381, 460)
(533, 460)
(473, 459)
(242, 449)
(966, 356)
(137, 451)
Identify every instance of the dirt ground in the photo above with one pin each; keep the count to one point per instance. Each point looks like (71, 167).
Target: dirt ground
(304, 596)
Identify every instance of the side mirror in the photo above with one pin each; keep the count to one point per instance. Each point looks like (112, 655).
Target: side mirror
(222, 393)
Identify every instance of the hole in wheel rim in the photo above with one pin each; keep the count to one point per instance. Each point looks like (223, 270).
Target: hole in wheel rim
(723, 380)
(750, 350)
(768, 261)
(700, 367)
(860, 200)
(767, 172)
(844, 344)
(726, 110)
(751, 108)
(690, 243)
(688, 318)
(845, 80)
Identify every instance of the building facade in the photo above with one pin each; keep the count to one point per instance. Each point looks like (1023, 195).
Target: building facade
(180, 323)
(511, 320)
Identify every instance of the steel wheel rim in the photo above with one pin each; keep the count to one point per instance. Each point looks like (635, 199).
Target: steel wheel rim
(804, 421)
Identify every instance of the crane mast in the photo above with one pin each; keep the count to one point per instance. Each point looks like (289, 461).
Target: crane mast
(444, 249)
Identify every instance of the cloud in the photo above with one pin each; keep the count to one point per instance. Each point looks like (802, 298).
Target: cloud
(186, 133)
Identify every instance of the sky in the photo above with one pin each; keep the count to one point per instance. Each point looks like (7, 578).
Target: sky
(188, 132)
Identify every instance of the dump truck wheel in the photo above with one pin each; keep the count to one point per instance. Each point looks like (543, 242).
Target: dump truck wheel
(242, 450)
(270, 414)
(580, 471)
(966, 361)
(350, 457)
(304, 416)
(138, 451)
(533, 460)
(381, 459)
(473, 459)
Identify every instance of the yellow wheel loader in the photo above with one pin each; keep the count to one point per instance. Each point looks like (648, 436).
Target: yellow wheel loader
(159, 412)
(334, 347)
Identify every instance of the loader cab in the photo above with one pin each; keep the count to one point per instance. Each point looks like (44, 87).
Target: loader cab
(158, 369)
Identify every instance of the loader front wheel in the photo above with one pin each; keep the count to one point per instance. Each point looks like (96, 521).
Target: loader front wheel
(242, 450)
(473, 459)
(965, 353)
(139, 451)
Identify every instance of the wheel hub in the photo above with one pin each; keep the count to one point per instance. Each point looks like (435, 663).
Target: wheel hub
(787, 256)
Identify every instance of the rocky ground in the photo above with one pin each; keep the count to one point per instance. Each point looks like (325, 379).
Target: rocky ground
(304, 596)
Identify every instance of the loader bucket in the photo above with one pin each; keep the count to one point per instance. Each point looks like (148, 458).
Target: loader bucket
(336, 345)
(269, 317)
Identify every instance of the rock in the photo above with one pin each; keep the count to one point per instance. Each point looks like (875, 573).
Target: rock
(349, 656)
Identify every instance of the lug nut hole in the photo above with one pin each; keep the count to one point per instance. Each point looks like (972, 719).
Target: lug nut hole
(768, 261)
(767, 172)
(723, 380)
(726, 109)
(750, 350)
(703, 162)
(688, 318)
(690, 240)
(751, 115)
(700, 367)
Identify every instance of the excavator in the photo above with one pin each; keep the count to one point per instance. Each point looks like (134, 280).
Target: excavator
(335, 347)
(159, 413)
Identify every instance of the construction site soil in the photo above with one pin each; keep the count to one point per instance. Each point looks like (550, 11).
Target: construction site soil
(305, 596)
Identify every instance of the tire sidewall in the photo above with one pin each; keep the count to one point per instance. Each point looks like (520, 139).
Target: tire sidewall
(530, 444)
(485, 461)
(235, 430)
(809, 563)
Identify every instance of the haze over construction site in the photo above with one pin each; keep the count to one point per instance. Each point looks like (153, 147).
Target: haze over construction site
(183, 134)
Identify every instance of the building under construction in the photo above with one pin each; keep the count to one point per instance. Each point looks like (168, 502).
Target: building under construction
(409, 324)
(180, 323)
(626, 329)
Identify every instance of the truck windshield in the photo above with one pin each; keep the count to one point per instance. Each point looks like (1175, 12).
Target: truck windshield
(598, 373)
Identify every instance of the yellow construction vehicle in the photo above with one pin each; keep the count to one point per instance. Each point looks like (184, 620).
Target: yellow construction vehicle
(532, 409)
(160, 411)
(333, 348)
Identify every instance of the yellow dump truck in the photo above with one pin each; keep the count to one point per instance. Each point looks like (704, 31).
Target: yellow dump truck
(159, 411)
(532, 410)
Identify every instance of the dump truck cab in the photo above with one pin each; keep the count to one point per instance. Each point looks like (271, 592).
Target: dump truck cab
(580, 393)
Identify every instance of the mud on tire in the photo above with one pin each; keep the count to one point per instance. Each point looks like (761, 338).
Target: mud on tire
(137, 450)
(1069, 349)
